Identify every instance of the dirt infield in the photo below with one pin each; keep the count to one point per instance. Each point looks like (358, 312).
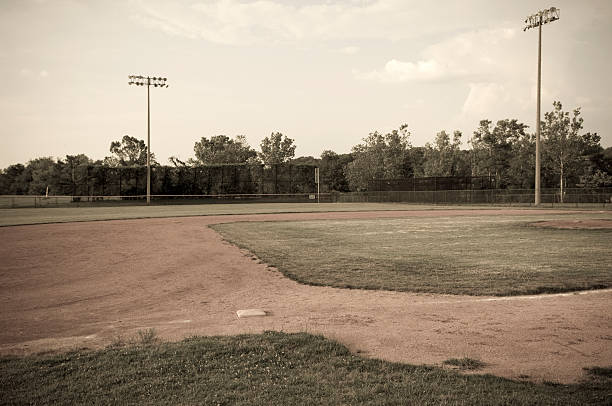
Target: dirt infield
(83, 284)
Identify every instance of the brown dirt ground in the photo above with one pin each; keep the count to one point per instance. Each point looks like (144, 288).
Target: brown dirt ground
(75, 285)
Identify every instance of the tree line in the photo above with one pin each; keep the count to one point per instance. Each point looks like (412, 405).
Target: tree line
(503, 151)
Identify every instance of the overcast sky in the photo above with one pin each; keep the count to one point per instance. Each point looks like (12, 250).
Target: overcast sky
(325, 73)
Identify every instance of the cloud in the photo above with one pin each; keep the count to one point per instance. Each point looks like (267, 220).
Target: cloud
(350, 50)
(239, 22)
(484, 95)
(28, 73)
(396, 71)
(476, 55)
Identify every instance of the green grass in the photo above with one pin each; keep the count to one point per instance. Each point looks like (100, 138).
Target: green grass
(11, 217)
(272, 368)
(485, 255)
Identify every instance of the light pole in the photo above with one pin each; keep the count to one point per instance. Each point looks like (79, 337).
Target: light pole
(537, 20)
(148, 82)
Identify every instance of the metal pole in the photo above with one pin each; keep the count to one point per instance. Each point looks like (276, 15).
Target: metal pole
(149, 143)
(147, 81)
(537, 162)
(537, 20)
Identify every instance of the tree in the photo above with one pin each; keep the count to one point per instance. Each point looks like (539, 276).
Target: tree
(565, 150)
(43, 173)
(332, 170)
(305, 160)
(14, 180)
(221, 149)
(69, 173)
(130, 151)
(598, 169)
(177, 162)
(598, 178)
(492, 149)
(276, 149)
(379, 157)
(444, 157)
(521, 163)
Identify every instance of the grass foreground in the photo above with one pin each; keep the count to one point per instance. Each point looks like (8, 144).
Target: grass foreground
(472, 255)
(269, 368)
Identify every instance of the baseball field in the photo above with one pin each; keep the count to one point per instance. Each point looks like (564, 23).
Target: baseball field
(364, 304)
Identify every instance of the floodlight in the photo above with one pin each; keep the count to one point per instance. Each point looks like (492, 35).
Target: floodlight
(537, 20)
(148, 81)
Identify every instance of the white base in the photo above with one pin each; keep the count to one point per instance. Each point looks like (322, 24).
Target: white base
(250, 313)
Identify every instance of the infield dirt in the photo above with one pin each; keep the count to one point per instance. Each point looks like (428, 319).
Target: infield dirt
(74, 285)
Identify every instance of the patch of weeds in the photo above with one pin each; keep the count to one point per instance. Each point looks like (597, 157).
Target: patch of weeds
(599, 372)
(147, 337)
(465, 364)
(117, 342)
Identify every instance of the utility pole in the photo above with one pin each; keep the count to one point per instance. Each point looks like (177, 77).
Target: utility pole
(148, 82)
(537, 20)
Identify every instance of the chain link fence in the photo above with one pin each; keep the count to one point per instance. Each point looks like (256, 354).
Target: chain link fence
(523, 197)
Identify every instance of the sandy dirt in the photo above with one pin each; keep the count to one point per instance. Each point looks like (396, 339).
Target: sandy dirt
(75, 285)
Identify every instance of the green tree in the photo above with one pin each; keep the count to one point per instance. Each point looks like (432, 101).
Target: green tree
(71, 172)
(416, 158)
(492, 149)
(305, 160)
(379, 157)
(43, 173)
(598, 169)
(221, 149)
(130, 151)
(14, 180)
(276, 149)
(176, 162)
(444, 157)
(332, 170)
(521, 164)
(565, 150)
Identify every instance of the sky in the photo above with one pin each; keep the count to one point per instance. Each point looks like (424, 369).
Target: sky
(324, 73)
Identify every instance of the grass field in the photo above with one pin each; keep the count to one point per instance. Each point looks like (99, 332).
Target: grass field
(271, 368)
(9, 217)
(464, 254)
(486, 255)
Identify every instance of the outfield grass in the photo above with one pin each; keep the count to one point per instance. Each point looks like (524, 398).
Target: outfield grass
(486, 255)
(272, 368)
(10, 217)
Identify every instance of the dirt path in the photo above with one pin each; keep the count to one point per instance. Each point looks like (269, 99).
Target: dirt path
(83, 284)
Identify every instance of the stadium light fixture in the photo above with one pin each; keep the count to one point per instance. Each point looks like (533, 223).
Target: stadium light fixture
(156, 82)
(537, 20)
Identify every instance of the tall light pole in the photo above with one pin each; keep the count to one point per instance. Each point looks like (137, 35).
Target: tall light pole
(148, 82)
(537, 20)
